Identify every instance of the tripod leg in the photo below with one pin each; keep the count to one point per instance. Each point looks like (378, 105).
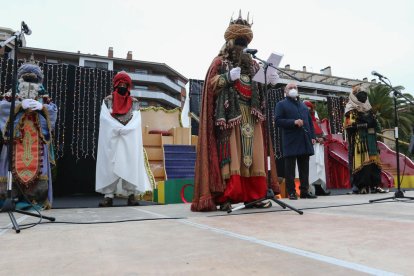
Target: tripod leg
(245, 205)
(288, 206)
(381, 199)
(35, 215)
(391, 197)
(14, 222)
(282, 204)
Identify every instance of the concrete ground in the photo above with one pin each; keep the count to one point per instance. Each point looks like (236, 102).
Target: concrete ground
(337, 235)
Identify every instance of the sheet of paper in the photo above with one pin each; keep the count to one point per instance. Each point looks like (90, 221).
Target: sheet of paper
(274, 59)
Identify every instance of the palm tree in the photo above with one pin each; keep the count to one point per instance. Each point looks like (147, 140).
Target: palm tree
(382, 103)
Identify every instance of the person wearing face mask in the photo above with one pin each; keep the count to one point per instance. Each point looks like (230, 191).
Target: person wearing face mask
(120, 149)
(230, 164)
(298, 137)
(35, 118)
(361, 126)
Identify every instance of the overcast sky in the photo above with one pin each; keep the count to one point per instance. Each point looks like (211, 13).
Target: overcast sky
(354, 37)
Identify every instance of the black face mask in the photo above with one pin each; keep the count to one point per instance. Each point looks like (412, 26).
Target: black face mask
(240, 41)
(30, 78)
(122, 90)
(362, 96)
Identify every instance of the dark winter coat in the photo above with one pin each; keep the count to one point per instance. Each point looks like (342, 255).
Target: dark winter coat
(295, 140)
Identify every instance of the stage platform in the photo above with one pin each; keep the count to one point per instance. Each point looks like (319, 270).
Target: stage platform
(92, 200)
(337, 235)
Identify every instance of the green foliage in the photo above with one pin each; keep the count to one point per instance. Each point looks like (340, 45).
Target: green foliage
(382, 102)
(322, 110)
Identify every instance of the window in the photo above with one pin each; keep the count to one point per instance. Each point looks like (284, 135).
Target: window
(51, 60)
(180, 83)
(96, 64)
(140, 87)
(141, 71)
(143, 103)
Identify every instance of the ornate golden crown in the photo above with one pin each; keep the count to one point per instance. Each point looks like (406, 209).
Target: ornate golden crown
(239, 28)
(240, 20)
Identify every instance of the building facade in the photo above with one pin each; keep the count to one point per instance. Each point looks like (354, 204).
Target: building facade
(155, 84)
(318, 86)
(8, 50)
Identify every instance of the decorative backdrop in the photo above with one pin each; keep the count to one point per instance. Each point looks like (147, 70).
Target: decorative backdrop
(336, 108)
(78, 92)
(195, 94)
(275, 95)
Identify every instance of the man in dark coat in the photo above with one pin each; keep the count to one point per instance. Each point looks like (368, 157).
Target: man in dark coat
(298, 137)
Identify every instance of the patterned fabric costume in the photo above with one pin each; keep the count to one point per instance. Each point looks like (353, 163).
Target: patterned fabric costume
(230, 165)
(120, 149)
(33, 126)
(361, 126)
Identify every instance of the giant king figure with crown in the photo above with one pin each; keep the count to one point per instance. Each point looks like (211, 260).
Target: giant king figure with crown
(230, 165)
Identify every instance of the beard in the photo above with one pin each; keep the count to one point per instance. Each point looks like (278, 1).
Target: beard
(243, 60)
(28, 90)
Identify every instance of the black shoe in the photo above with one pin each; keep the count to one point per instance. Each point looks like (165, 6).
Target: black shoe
(293, 196)
(106, 202)
(307, 195)
(320, 191)
(260, 205)
(378, 190)
(132, 201)
(225, 207)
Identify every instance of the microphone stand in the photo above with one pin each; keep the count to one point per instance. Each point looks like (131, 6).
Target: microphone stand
(9, 205)
(267, 64)
(399, 193)
(270, 195)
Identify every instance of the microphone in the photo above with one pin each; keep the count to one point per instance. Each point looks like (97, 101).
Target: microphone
(26, 28)
(375, 73)
(250, 51)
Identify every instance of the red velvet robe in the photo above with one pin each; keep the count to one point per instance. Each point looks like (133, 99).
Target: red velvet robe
(209, 187)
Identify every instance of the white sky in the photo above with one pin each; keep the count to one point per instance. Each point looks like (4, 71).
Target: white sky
(354, 37)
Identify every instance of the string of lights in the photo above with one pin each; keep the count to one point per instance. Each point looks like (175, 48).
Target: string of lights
(1, 75)
(57, 99)
(87, 119)
(63, 111)
(336, 107)
(275, 95)
(12, 70)
(76, 115)
(61, 108)
(78, 93)
(82, 112)
(52, 79)
(96, 94)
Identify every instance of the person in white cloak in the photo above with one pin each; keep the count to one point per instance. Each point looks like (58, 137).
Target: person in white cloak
(120, 150)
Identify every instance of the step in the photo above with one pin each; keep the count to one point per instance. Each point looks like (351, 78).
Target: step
(180, 156)
(179, 148)
(179, 170)
(154, 154)
(180, 176)
(179, 163)
(187, 169)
